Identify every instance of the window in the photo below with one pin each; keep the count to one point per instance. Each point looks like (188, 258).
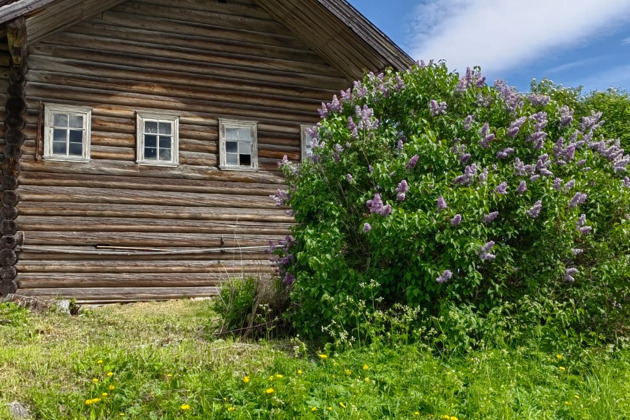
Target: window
(157, 136)
(307, 142)
(238, 144)
(67, 132)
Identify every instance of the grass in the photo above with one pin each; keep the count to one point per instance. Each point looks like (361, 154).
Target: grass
(158, 361)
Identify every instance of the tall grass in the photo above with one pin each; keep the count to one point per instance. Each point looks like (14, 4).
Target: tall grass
(159, 361)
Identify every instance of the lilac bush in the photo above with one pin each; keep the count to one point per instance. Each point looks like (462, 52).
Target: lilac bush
(442, 188)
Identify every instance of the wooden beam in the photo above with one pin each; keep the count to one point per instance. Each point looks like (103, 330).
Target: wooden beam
(17, 40)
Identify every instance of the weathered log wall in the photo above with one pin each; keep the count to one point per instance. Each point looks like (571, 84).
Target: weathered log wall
(111, 230)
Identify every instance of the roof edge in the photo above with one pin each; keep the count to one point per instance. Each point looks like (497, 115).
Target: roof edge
(20, 8)
(369, 32)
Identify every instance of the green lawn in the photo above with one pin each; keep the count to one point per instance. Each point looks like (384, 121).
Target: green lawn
(158, 361)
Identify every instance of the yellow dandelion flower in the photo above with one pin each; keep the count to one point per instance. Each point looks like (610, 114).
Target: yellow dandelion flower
(121, 414)
(110, 374)
(97, 400)
(562, 368)
(314, 409)
(446, 417)
(271, 378)
(342, 405)
(416, 413)
(88, 402)
(95, 380)
(100, 362)
(184, 407)
(279, 376)
(329, 408)
(169, 375)
(335, 364)
(231, 408)
(365, 367)
(104, 394)
(111, 387)
(367, 380)
(567, 402)
(577, 397)
(246, 379)
(269, 391)
(559, 356)
(323, 356)
(453, 418)
(300, 371)
(348, 372)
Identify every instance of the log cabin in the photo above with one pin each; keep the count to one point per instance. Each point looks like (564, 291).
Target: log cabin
(141, 137)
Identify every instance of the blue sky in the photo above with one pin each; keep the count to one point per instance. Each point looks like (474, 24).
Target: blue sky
(572, 42)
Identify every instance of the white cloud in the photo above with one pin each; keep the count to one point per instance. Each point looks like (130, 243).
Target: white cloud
(500, 35)
(625, 41)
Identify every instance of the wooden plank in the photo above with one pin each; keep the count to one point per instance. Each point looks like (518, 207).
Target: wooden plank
(105, 294)
(275, 215)
(142, 239)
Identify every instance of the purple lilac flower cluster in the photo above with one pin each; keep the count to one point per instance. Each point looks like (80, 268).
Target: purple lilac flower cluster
(375, 205)
(470, 172)
(486, 137)
(402, 189)
(413, 162)
(501, 188)
(489, 218)
(511, 97)
(538, 99)
(441, 204)
(470, 79)
(578, 198)
(444, 277)
(437, 108)
(484, 252)
(280, 197)
(456, 220)
(534, 211)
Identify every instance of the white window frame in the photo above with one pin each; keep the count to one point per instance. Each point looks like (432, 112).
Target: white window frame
(225, 123)
(141, 118)
(306, 142)
(49, 113)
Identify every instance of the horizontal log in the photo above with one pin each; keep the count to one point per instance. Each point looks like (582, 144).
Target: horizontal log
(109, 196)
(7, 257)
(9, 198)
(8, 212)
(107, 294)
(7, 273)
(236, 215)
(8, 242)
(141, 239)
(213, 269)
(175, 226)
(146, 183)
(132, 169)
(81, 253)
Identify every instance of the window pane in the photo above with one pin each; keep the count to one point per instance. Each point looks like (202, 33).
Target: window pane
(150, 127)
(59, 148)
(165, 142)
(231, 159)
(76, 121)
(150, 141)
(165, 128)
(59, 135)
(231, 147)
(150, 153)
(60, 120)
(246, 160)
(238, 134)
(245, 147)
(165, 155)
(76, 136)
(76, 149)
